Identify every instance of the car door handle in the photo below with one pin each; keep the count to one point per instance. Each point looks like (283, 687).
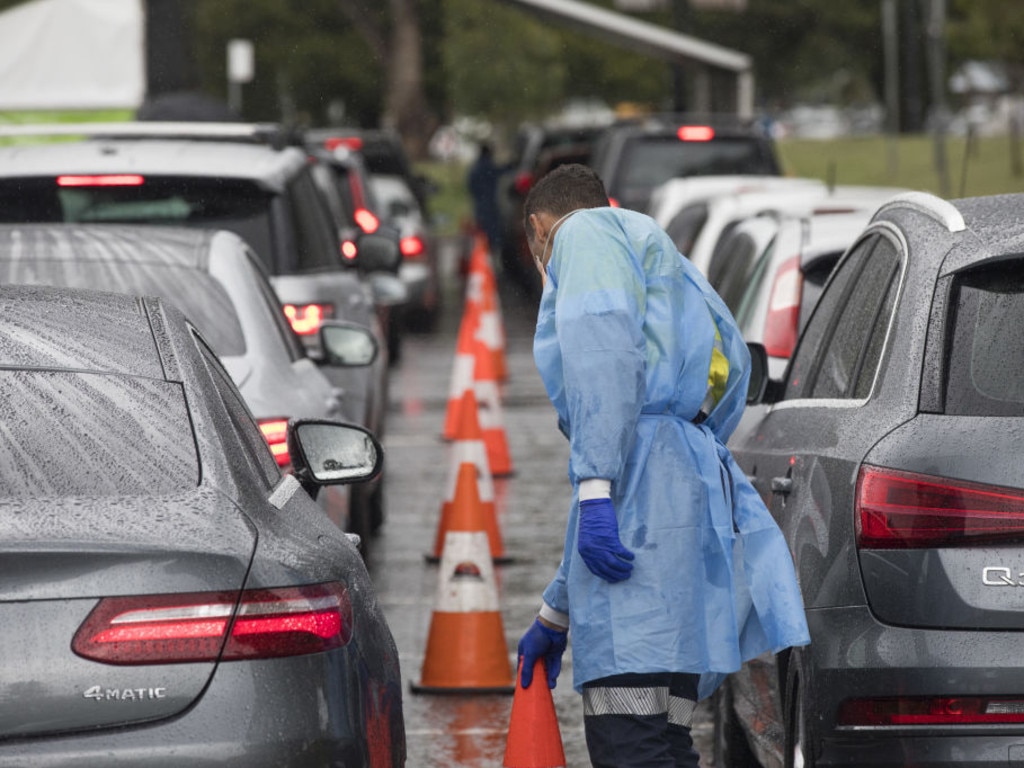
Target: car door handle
(782, 484)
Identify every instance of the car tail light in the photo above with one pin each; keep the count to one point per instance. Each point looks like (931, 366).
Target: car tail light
(366, 220)
(104, 180)
(349, 249)
(207, 626)
(306, 319)
(931, 710)
(614, 203)
(695, 133)
(412, 247)
(355, 143)
(275, 432)
(522, 183)
(903, 510)
(781, 325)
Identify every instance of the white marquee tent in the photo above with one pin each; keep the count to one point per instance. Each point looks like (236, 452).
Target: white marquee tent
(72, 55)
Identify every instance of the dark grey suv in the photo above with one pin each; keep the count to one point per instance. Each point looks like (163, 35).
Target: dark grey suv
(891, 458)
(634, 157)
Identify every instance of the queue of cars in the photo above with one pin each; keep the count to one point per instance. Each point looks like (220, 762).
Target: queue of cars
(199, 367)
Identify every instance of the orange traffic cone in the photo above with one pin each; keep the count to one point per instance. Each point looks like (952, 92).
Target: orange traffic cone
(466, 649)
(483, 288)
(492, 423)
(462, 368)
(469, 504)
(534, 740)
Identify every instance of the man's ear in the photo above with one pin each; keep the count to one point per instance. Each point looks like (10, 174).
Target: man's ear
(540, 232)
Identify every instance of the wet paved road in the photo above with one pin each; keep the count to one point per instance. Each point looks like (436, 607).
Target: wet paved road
(468, 731)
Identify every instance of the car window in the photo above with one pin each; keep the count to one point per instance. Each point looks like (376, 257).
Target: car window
(92, 434)
(855, 345)
(731, 264)
(820, 326)
(316, 241)
(650, 161)
(284, 328)
(249, 438)
(686, 226)
(986, 356)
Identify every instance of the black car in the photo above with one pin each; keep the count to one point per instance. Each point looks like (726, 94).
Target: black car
(636, 156)
(167, 596)
(890, 457)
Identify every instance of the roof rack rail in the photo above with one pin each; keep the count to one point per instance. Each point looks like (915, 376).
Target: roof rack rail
(259, 133)
(935, 208)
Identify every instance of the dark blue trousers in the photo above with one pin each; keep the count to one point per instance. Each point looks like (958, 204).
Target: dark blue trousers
(641, 721)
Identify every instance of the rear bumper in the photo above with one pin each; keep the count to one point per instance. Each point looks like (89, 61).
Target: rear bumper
(267, 714)
(416, 278)
(852, 655)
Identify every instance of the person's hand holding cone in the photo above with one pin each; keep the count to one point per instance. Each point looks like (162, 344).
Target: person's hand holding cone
(542, 642)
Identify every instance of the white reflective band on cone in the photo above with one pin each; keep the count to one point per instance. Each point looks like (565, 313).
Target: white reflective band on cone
(466, 582)
(462, 375)
(489, 404)
(470, 452)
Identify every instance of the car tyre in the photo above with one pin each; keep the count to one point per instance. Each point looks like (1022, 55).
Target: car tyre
(729, 743)
(798, 750)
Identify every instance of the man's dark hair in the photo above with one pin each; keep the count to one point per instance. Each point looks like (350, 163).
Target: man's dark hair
(563, 190)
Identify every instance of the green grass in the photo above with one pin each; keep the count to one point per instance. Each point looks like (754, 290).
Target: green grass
(906, 161)
(30, 117)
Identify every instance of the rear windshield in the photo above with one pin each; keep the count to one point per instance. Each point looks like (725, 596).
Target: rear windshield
(986, 354)
(239, 206)
(198, 294)
(651, 161)
(89, 434)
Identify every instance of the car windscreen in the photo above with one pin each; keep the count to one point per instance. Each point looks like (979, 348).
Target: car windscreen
(236, 205)
(986, 353)
(649, 161)
(93, 434)
(198, 294)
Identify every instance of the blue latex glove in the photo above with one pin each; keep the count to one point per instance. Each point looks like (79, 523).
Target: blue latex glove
(598, 541)
(541, 642)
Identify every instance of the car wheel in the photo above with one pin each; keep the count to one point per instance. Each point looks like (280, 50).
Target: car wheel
(729, 743)
(798, 746)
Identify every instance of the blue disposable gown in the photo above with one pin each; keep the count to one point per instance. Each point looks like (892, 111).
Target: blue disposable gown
(624, 338)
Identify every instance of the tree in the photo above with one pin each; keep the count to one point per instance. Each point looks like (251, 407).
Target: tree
(393, 35)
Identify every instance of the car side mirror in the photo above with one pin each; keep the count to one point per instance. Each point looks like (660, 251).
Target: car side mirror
(761, 390)
(347, 345)
(332, 453)
(388, 290)
(379, 251)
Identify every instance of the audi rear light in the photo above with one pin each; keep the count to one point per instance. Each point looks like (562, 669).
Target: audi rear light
(695, 133)
(354, 143)
(275, 432)
(522, 183)
(207, 626)
(781, 324)
(904, 510)
(931, 710)
(306, 319)
(102, 180)
(412, 247)
(366, 220)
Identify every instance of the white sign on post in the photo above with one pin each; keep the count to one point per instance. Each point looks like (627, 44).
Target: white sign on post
(241, 61)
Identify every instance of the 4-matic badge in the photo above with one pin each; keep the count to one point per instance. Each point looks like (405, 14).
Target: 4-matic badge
(99, 693)
(997, 576)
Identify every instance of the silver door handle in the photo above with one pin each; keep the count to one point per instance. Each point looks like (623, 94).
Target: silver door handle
(782, 484)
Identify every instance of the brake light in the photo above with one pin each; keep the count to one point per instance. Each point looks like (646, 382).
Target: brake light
(207, 626)
(355, 143)
(522, 183)
(613, 202)
(931, 710)
(695, 133)
(349, 249)
(904, 510)
(275, 432)
(104, 180)
(781, 325)
(412, 246)
(366, 220)
(306, 319)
